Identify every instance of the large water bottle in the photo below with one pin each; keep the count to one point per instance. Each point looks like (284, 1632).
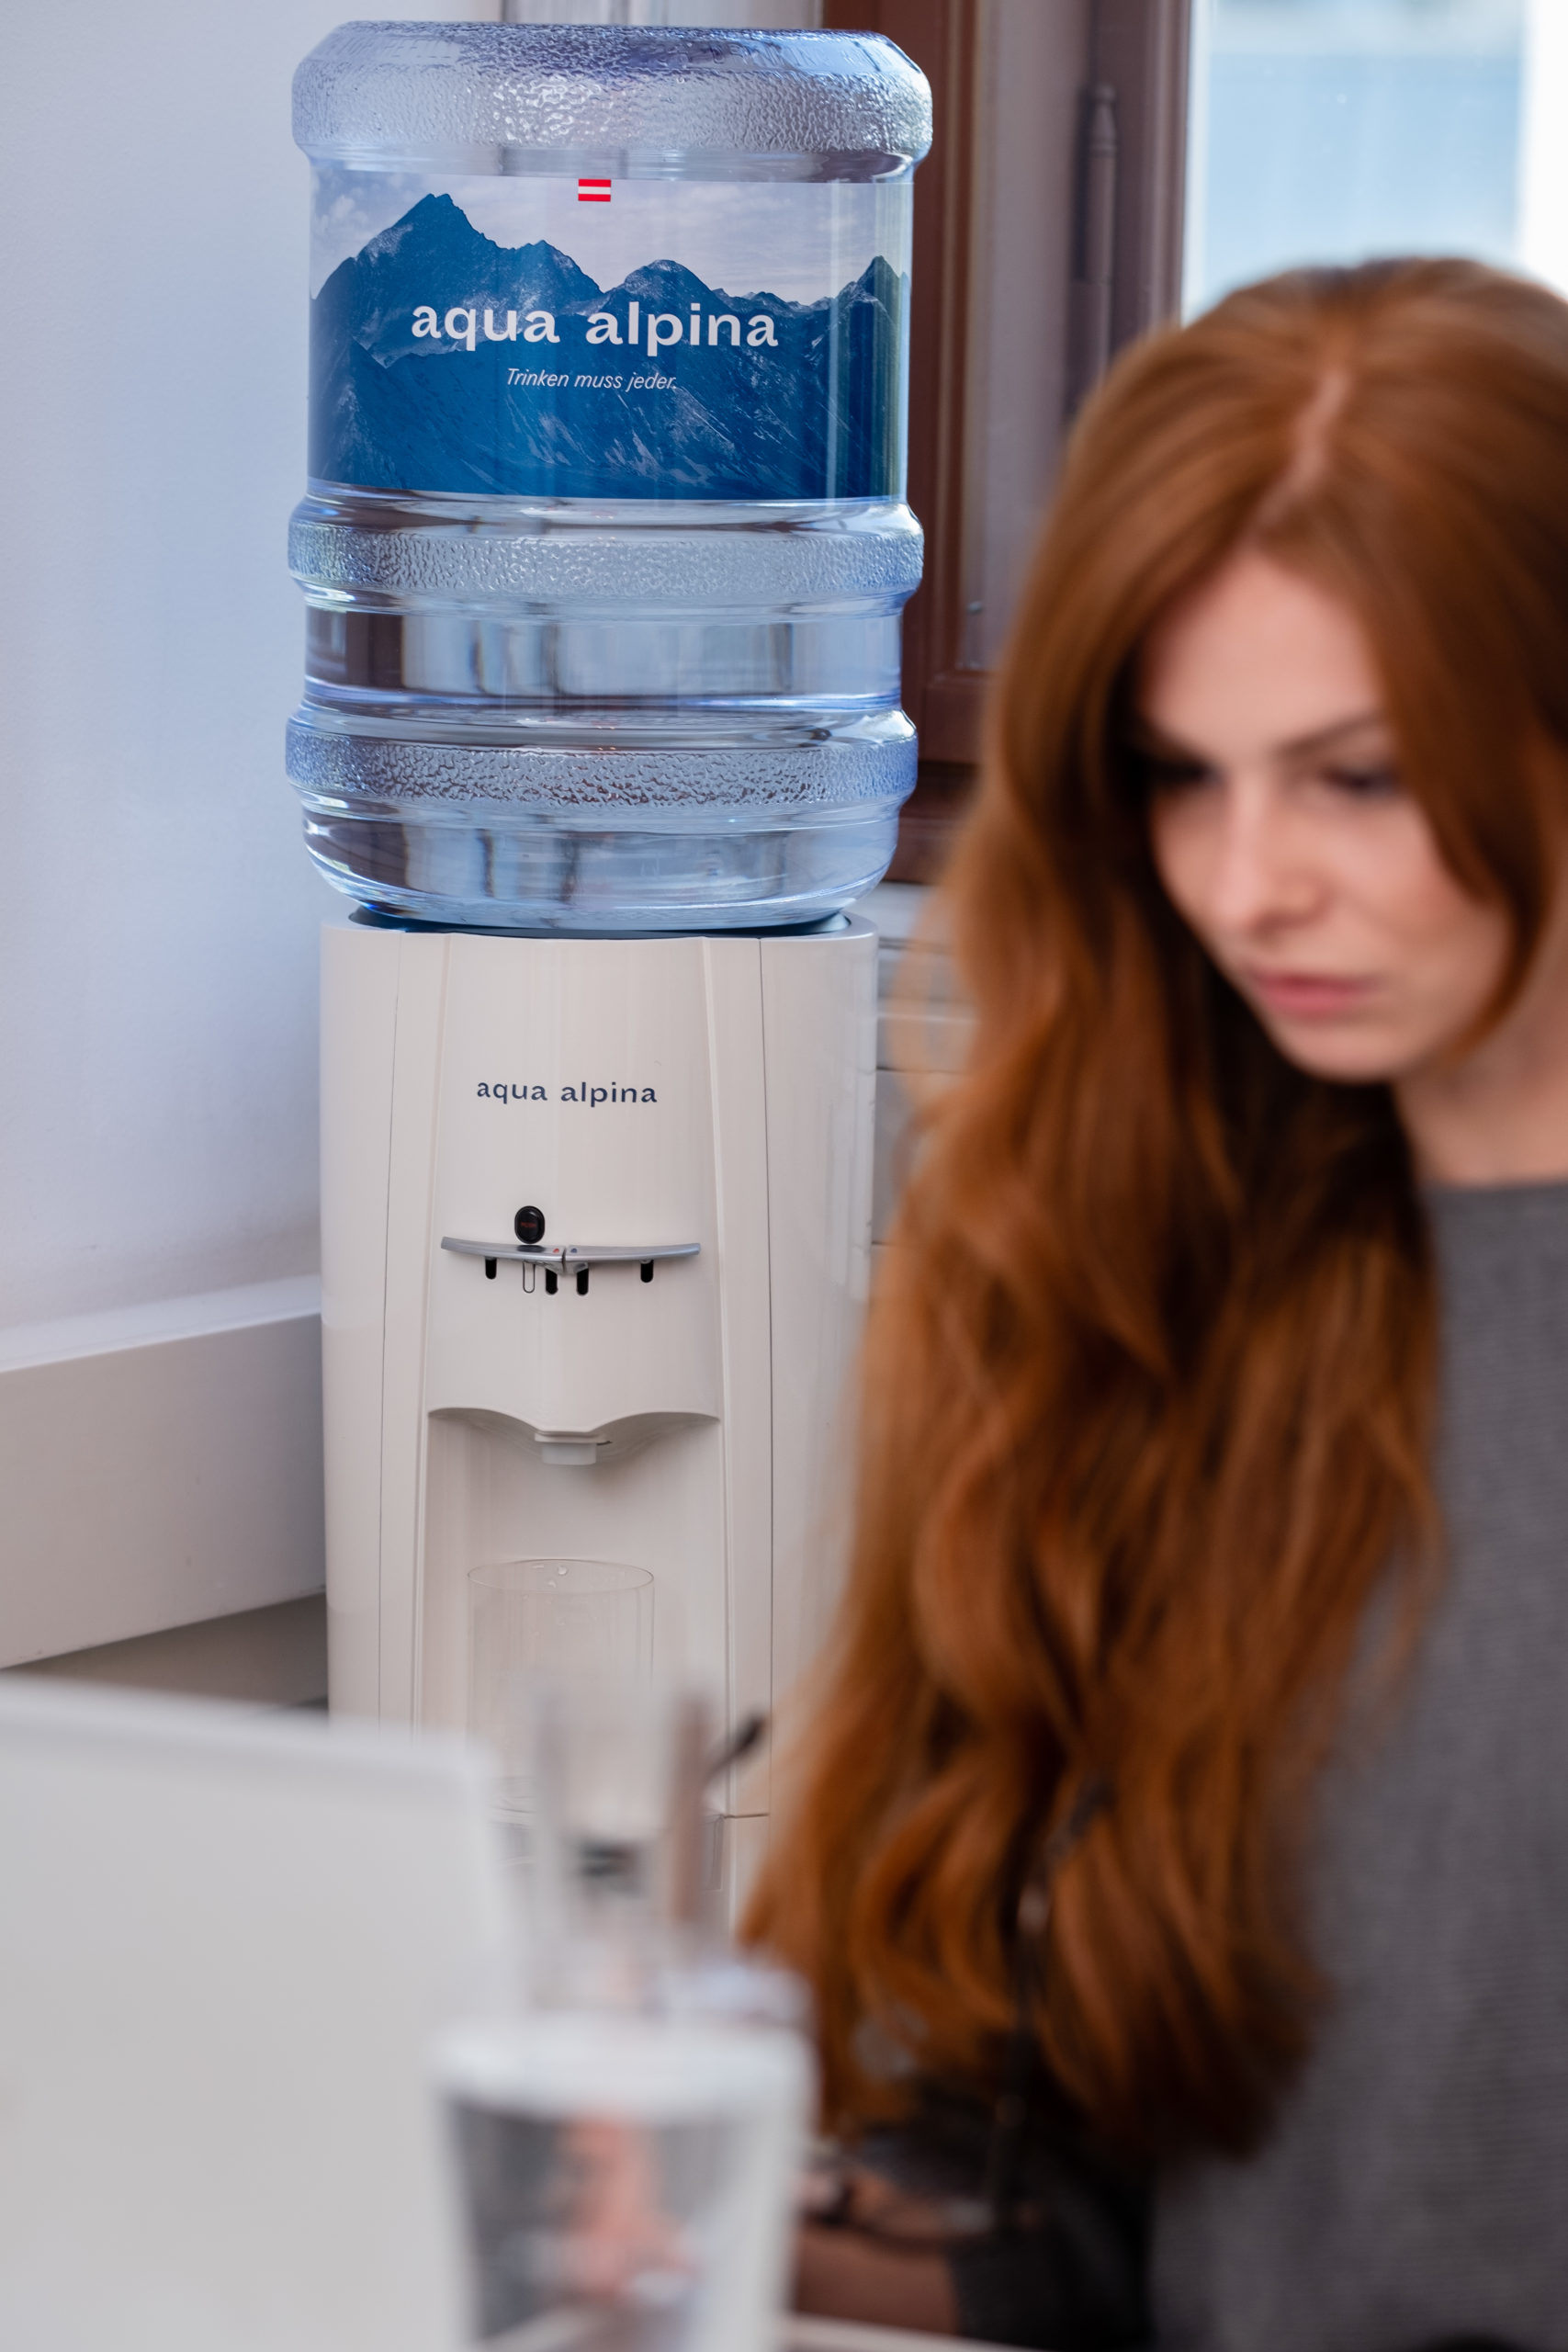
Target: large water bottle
(605, 546)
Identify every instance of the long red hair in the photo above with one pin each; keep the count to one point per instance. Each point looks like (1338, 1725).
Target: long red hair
(1146, 1393)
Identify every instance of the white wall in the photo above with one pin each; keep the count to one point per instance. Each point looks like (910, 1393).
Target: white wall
(160, 1453)
(158, 918)
(1543, 150)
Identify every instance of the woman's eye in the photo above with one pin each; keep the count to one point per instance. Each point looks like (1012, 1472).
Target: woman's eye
(1366, 781)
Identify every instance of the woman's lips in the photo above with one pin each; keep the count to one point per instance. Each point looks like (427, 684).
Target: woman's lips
(1307, 996)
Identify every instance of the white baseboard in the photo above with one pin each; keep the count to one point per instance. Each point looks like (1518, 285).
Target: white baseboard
(159, 1466)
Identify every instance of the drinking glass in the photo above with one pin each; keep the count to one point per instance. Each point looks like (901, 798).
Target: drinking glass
(625, 2179)
(561, 1624)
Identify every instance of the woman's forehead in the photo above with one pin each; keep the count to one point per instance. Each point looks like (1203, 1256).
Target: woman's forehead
(1257, 654)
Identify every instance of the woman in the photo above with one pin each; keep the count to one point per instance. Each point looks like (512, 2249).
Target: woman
(1197, 1729)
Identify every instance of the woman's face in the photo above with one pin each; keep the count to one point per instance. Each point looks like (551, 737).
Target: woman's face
(1283, 835)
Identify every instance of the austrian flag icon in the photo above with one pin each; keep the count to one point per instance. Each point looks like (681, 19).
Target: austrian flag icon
(593, 191)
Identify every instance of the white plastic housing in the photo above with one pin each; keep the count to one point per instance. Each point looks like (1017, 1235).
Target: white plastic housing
(640, 1093)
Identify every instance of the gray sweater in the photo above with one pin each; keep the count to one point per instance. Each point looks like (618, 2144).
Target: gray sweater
(1416, 2187)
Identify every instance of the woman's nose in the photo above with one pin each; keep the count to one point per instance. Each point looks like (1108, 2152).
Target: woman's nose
(1259, 875)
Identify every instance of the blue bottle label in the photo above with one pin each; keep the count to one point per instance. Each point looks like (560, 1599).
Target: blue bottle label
(608, 338)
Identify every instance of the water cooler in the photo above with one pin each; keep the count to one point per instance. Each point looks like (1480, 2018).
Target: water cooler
(660, 1377)
(604, 560)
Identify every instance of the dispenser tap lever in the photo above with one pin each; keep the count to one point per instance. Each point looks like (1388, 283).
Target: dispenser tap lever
(572, 1257)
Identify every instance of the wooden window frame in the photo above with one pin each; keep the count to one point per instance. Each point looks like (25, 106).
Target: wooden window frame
(1137, 52)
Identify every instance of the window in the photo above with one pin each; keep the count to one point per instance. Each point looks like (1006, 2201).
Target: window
(1098, 162)
(1333, 130)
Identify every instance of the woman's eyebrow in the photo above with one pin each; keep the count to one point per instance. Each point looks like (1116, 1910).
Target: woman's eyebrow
(1143, 736)
(1324, 738)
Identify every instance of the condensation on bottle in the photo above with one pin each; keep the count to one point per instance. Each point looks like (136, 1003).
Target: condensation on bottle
(605, 546)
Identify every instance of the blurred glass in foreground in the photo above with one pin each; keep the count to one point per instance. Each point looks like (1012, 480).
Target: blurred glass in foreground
(627, 2133)
(626, 2179)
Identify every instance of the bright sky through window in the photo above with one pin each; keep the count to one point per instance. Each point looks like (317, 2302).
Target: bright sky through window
(1333, 130)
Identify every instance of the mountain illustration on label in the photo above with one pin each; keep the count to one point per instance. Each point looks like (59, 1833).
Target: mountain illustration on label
(442, 361)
